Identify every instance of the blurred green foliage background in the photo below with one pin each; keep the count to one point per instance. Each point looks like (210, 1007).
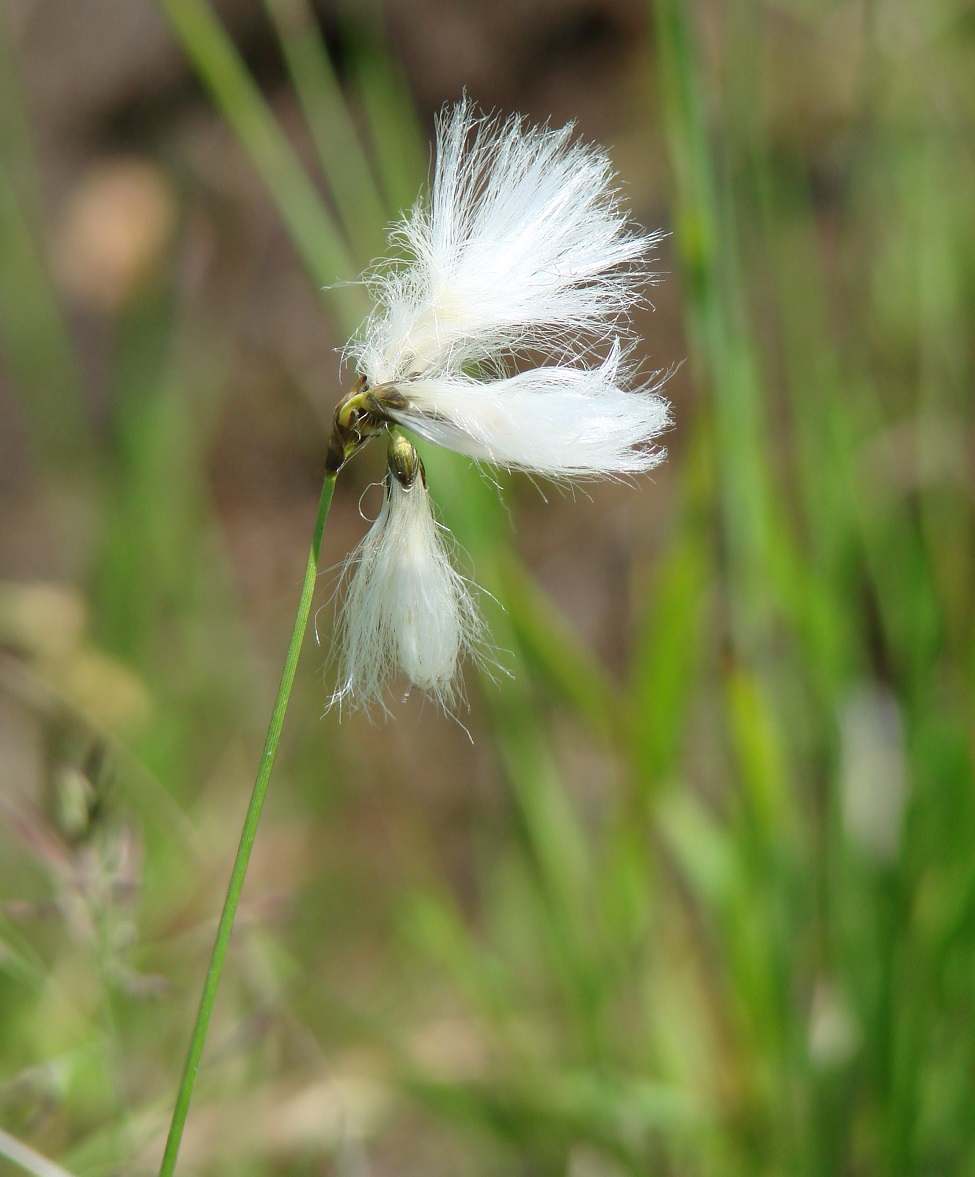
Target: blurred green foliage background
(700, 897)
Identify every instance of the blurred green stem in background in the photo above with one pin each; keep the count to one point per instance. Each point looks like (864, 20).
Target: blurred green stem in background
(253, 817)
(343, 161)
(33, 331)
(720, 333)
(313, 229)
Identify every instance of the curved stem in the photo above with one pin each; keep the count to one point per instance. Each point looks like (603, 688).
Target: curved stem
(225, 927)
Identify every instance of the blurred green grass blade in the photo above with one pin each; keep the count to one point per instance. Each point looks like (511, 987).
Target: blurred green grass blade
(18, 957)
(472, 510)
(667, 664)
(554, 837)
(97, 1154)
(546, 1112)
(433, 923)
(161, 593)
(839, 423)
(160, 501)
(38, 348)
(827, 420)
(36, 344)
(835, 409)
(674, 630)
(557, 654)
(663, 682)
(738, 912)
(703, 849)
(343, 161)
(312, 228)
(765, 786)
(628, 894)
(944, 250)
(556, 844)
(717, 320)
(380, 87)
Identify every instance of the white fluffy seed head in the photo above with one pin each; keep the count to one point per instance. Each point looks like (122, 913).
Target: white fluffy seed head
(522, 247)
(408, 612)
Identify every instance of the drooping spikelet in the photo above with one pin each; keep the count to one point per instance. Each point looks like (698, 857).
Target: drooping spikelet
(408, 612)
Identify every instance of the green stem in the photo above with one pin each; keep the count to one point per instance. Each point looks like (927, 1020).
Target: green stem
(226, 925)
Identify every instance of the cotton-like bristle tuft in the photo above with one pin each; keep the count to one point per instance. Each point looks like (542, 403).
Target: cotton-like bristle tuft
(522, 245)
(557, 421)
(408, 611)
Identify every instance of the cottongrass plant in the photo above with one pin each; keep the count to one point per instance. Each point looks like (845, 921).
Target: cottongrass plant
(521, 251)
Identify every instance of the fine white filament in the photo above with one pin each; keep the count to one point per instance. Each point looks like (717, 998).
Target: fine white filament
(522, 247)
(408, 611)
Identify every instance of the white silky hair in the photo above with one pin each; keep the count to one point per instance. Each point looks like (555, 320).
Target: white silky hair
(407, 611)
(521, 245)
(559, 421)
